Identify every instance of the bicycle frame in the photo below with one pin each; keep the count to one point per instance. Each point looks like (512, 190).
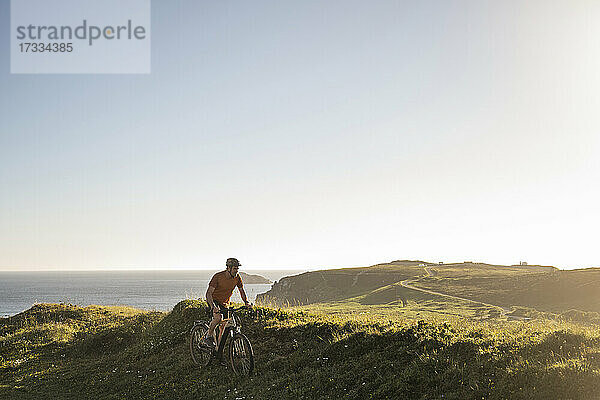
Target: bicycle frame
(227, 327)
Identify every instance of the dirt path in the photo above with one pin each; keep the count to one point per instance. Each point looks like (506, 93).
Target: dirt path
(407, 283)
(356, 278)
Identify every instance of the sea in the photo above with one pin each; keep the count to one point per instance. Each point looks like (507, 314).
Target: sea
(158, 290)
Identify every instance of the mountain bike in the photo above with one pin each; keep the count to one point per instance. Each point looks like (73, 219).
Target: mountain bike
(241, 355)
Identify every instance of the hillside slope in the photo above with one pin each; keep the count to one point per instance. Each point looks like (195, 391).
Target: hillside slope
(542, 288)
(538, 287)
(338, 284)
(66, 352)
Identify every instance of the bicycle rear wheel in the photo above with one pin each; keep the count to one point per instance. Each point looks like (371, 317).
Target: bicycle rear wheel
(201, 354)
(241, 355)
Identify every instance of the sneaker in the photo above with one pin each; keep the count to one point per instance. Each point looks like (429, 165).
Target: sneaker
(208, 341)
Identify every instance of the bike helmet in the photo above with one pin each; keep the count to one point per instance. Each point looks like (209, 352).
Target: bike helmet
(232, 262)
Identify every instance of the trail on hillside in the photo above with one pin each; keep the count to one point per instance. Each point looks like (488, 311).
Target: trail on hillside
(356, 278)
(407, 283)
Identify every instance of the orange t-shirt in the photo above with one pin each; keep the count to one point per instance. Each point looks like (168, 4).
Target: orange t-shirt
(224, 285)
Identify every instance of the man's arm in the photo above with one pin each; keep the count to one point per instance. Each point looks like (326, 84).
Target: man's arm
(243, 295)
(209, 299)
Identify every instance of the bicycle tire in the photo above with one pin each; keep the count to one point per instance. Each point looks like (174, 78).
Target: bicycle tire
(201, 355)
(241, 355)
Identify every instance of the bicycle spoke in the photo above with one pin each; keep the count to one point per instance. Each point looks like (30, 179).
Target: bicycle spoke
(198, 340)
(241, 361)
(201, 354)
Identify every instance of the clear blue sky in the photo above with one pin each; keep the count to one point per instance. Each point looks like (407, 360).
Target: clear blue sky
(314, 134)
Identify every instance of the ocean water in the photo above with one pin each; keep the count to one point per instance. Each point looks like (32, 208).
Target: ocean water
(147, 290)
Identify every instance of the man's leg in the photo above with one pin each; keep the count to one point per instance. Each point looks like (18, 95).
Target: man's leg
(211, 338)
(217, 317)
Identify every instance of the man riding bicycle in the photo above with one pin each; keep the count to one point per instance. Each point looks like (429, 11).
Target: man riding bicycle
(220, 289)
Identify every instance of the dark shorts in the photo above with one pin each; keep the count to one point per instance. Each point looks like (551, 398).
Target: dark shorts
(221, 306)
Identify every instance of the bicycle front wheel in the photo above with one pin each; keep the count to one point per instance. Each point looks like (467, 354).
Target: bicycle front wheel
(241, 355)
(201, 354)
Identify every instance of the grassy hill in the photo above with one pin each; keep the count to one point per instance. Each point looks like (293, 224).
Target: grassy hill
(542, 288)
(405, 329)
(66, 352)
(338, 284)
(527, 290)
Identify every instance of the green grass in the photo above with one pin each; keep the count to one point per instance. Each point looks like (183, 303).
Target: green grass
(531, 291)
(338, 284)
(325, 351)
(543, 288)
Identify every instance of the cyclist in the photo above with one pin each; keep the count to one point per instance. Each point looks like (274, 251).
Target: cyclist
(220, 289)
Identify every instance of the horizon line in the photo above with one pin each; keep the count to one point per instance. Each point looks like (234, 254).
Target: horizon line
(128, 269)
(253, 268)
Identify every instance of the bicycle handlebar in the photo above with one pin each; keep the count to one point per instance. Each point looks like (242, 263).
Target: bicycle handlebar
(231, 309)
